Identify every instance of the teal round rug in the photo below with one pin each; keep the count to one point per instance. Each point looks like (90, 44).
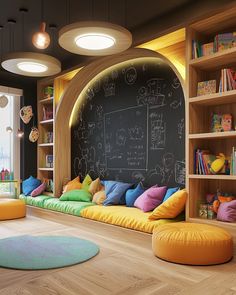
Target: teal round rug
(44, 252)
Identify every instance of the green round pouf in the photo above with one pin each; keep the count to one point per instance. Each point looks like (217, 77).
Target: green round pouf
(44, 252)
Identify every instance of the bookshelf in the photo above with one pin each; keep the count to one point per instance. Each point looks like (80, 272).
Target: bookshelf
(200, 108)
(46, 113)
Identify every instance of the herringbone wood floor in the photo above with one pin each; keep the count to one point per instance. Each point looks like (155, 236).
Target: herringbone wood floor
(125, 264)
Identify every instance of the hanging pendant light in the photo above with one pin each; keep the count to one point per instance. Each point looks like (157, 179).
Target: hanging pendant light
(20, 133)
(41, 39)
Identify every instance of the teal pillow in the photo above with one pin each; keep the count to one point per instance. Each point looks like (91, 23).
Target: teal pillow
(169, 193)
(76, 195)
(132, 194)
(115, 192)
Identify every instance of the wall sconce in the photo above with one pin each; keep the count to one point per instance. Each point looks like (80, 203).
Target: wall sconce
(9, 129)
(41, 39)
(20, 133)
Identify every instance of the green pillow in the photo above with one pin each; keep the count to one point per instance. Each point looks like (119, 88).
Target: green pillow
(76, 195)
(86, 183)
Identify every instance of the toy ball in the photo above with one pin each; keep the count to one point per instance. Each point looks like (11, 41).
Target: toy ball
(218, 164)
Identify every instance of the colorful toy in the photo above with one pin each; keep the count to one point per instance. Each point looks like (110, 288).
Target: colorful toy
(218, 164)
(203, 211)
(216, 123)
(226, 122)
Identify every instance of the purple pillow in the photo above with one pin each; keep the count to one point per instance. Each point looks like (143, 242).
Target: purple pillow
(227, 211)
(151, 198)
(39, 190)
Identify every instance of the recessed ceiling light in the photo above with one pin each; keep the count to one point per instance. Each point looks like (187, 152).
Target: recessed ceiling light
(31, 64)
(94, 38)
(94, 41)
(32, 67)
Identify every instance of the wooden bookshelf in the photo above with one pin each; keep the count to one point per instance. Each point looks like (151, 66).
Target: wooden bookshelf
(200, 108)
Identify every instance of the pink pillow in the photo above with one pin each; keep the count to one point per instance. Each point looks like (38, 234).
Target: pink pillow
(39, 190)
(151, 198)
(227, 211)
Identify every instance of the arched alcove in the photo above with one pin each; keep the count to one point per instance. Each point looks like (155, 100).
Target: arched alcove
(73, 99)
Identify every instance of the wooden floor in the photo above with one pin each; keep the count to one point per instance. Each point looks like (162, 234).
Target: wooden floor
(125, 264)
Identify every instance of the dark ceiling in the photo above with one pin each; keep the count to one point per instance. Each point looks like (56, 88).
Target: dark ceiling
(139, 16)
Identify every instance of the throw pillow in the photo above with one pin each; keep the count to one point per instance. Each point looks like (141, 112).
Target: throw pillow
(99, 197)
(115, 192)
(95, 186)
(171, 207)
(39, 190)
(29, 185)
(86, 182)
(227, 211)
(76, 195)
(72, 185)
(132, 194)
(151, 198)
(170, 192)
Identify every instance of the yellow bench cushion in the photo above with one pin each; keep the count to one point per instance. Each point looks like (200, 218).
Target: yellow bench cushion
(11, 209)
(132, 218)
(192, 243)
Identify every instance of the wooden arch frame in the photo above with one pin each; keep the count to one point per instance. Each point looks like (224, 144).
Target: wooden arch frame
(62, 161)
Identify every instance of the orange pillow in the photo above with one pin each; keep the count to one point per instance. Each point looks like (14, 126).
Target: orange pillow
(171, 207)
(99, 197)
(73, 184)
(95, 186)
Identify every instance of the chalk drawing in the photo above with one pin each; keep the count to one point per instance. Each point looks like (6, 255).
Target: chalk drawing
(121, 136)
(138, 176)
(152, 94)
(91, 128)
(130, 75)
(180, 172)
(99, 112)
(163, 172)
(181, 128)
(109, 87)
(114, 74)
(90, 94)
(176, 83)
(136, 133)
(97, 86)
(176, 103)
(158, 132)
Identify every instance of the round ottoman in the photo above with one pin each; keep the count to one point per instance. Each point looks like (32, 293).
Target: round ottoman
(11, 209)
(192, 243)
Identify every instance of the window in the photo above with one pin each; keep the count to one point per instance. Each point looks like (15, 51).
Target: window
(9, 142)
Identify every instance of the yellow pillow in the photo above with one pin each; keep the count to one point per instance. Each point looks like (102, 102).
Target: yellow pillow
(86, 182)
(95, 186)
(171, 207)
(72, 185)
(99, 197)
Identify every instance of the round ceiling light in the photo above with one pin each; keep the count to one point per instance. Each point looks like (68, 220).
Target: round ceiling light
(31, 64)
(94, 38)
(94, 41)
(32, 67)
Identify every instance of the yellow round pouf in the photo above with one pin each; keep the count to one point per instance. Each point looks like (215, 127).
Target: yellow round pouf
(11, 209)
(192, 243)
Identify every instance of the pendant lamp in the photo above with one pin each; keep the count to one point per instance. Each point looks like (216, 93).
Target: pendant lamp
(41, 39)
(94, 38)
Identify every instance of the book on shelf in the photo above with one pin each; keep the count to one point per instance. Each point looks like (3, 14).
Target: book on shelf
(48, 137)
(196, 49)
(225, 41)
(47, 113)
(206, 87)
(49, 161)
(207, 49)
(227, 80)
(233, 161)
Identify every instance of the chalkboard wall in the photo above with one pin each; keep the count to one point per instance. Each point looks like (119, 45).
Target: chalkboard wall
(131, 126)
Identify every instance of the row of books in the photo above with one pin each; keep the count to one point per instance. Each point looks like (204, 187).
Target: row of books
(233, 161)
(202, 162)
(227, 80)
(221, 42)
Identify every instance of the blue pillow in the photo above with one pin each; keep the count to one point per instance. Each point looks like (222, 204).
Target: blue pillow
(132, 194)
(169, 193)
(29, 185)
(115, 192)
